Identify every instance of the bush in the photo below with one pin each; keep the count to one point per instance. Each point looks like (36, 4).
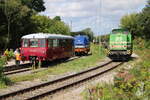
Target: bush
(11, 54)
(3, 79)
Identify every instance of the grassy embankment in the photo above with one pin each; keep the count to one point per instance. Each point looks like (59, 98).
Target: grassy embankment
(61, 68)
(129, 84)
(4, 81)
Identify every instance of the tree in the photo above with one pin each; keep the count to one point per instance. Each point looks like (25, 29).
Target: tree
(132, 23)
(47, 25)
(59, 27)
(57, 18)
(11, 13)
(16, 21)
(139, 23)
(145, 20)
(37, 5)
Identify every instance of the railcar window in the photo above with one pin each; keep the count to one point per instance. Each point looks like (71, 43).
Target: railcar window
(63, 43)
(68, 42)
(33, 42)
(25, 43)
(55, 43)
(42, 43)
(50, 43)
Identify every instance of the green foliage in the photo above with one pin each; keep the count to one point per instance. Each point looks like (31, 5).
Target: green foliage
(59, 27)
(37, 5)
(11, 54)
(47, 25)
(3, 79)
(12, 11)
(20, 17)
(57, 18)
(8, 55)
(131, 22)
(141, 44)
(139, 23)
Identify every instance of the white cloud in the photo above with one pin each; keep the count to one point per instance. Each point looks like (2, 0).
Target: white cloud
(85, 13)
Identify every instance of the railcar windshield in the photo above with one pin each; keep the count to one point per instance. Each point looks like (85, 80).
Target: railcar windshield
(42, 43)
(34, 43)
(25, 43)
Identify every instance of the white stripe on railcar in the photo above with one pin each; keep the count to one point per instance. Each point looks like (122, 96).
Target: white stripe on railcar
(46, 35)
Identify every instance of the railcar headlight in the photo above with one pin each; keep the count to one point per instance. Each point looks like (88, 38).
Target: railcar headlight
(44, 52)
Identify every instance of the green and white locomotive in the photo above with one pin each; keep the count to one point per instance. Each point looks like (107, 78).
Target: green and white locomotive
(120, 44)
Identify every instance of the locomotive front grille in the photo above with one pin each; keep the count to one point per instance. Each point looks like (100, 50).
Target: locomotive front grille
(123, 52)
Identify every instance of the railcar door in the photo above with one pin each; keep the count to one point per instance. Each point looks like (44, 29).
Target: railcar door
(50, 49)
(69, 48)
(56, 49)
(61, 46)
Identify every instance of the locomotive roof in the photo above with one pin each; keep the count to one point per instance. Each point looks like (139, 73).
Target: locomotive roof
(46, 35)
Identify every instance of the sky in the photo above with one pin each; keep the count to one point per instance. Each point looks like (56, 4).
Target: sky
(100, 15)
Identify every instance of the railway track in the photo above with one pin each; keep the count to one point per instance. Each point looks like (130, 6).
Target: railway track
(13, 69)
(51, 87)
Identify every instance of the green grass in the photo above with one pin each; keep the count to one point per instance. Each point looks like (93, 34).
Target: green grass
(71, 66)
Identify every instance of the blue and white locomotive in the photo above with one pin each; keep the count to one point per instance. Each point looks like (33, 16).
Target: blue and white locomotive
(82, 45)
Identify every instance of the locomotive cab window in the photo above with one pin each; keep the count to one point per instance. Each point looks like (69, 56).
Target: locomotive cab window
(33, 42)
(25, 43)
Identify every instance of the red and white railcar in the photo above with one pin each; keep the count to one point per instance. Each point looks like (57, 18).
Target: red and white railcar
(46, 47)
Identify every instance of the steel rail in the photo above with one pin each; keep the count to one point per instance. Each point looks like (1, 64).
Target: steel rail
(14, 67)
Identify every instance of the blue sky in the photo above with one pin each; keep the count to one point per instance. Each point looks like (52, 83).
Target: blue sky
(99, 15)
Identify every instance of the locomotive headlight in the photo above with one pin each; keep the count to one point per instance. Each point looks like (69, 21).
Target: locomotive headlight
(129, 46)
(108, 51)
(128, 51)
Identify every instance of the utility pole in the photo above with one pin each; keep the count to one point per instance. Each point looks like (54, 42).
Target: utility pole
(100, 25)
(71, 25)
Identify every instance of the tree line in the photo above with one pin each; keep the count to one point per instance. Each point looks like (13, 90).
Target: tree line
(21, 17)
(138, 23)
